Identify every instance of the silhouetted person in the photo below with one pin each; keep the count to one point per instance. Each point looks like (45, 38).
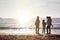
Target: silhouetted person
(49, 23)
(37, 25)
(44, 25)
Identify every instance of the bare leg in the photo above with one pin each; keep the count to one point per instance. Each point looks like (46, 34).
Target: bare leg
(36, 30)
(44, 30)
(49, 31)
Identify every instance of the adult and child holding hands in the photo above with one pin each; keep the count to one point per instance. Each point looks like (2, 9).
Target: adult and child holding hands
(46, 25)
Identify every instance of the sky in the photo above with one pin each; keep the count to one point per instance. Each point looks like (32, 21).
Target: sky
(29, 8)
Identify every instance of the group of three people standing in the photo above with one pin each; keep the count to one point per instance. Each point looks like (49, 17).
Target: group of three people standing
(44, 24)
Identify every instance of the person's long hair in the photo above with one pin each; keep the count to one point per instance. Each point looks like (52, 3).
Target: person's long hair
(37, 21)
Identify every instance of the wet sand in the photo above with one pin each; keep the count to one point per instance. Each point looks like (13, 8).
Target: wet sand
(29, 37)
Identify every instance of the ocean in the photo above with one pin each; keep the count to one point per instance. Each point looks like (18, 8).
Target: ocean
(11, 26)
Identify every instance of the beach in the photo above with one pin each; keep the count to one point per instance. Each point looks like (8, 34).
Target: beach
(27, 34)
(10, 33)
(30, 37)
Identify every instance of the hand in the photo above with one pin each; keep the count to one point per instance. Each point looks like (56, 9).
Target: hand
(51, 25)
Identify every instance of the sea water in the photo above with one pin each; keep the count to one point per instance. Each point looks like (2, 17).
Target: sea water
(25, 31)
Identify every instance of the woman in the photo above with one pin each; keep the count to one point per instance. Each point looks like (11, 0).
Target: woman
(37, 25)
(49, 24)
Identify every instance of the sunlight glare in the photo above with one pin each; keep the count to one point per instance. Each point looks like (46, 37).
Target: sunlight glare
(23, 17)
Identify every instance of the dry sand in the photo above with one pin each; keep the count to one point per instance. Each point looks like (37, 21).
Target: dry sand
(29, 37)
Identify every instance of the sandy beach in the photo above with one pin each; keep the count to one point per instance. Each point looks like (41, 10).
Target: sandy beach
(29, 37)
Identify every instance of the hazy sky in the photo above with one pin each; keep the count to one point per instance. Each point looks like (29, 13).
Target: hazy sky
(16, 8)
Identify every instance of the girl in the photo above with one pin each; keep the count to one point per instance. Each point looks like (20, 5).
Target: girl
(43, 24)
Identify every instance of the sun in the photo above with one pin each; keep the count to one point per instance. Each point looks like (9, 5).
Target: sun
(23, 17)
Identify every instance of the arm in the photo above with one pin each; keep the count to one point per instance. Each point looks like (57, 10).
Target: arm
(51, 25)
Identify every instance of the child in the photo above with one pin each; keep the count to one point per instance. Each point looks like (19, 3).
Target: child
(43, 24)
